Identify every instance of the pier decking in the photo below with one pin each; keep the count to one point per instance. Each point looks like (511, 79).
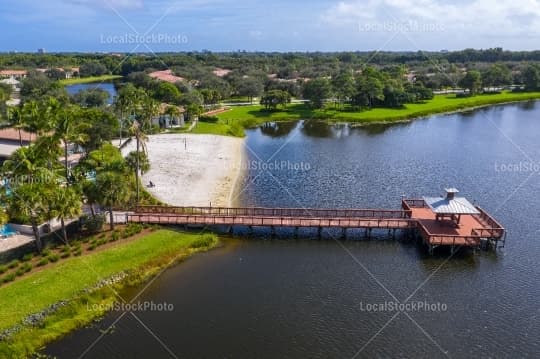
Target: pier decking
(461, 230)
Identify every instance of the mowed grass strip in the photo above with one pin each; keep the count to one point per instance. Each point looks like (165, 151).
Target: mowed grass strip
(64, 281)
(439, 104)
(86, 80)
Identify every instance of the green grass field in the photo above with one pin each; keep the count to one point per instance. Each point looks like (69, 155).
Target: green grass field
(86, 80)
(66, 280)
(440, 104)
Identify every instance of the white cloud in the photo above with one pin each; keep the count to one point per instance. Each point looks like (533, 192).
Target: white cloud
(479, 17)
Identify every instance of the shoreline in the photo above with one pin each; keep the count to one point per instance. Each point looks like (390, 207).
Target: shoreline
(441, 104)
(444, 113)
(93, 301)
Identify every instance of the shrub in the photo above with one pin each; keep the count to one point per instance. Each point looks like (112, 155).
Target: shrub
(65, 254)
(9, 278)
(53, 258)
(203, 241)
(27, 257)
(65, 249)
(93, 224)
(209, 119)
(42, 262)
(13, 264)
(92, 246)
(23, 269)
(101, 242)
(3, 269)
(77, 252)
(114, 236)
(45, 252)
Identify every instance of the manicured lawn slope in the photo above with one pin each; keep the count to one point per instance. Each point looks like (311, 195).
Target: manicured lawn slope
(41, 289)
(440, 104)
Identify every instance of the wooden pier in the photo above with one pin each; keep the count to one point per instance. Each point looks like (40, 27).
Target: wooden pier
(473, 230)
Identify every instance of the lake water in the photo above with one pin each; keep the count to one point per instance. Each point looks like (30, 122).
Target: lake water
(107, 86)
(283, 298)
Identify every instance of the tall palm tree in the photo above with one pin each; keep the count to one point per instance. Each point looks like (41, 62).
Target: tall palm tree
(16, 120)
(140, 137)
(67, 205)
(68, 129)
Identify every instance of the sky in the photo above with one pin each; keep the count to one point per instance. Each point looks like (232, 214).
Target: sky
(270, 25)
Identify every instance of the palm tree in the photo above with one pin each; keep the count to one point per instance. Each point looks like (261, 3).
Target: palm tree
(113, 191)
(68, 129)
(67, 204)
(140, 139)
(28, 202)
(16, 120)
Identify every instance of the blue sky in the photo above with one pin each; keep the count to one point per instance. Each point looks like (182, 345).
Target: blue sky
(271, 25)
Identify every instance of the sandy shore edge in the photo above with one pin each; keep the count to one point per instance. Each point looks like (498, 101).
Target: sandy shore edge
(194, 170)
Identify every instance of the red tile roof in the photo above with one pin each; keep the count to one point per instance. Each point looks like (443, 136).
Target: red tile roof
(12, 134)
(165, 75)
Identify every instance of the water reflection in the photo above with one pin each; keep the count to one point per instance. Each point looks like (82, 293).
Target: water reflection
(278, 129)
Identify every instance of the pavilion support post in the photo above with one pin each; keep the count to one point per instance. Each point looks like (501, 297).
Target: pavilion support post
(250, 230)
(295, 232)
(272, 231)
(319, 232)
(344, 233)
(394, 233)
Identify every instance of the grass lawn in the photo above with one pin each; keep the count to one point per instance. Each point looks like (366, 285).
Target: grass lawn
(86, 80)
(66, 279)
(221, 127)
(439, 104)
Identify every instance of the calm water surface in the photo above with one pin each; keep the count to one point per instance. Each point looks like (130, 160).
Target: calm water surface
(308, 298)
(107, 86)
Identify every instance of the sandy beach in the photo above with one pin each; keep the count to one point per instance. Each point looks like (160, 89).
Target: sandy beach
(193, 170)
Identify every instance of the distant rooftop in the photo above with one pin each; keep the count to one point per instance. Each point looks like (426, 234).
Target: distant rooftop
(165, 75)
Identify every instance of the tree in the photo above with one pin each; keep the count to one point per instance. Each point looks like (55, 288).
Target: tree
(472, 82)
(343, 86)
(369, 90)
(144, 162)
(67, 205)
(113, 190)
(250, 87)
(92, 68)
(497, 75)
(99, 127)
(274, 98)
(68, 129)
(193, 111)
(531, 78)
(317, 91)
(167, 92)
(16, 120)
(28, 202)
(92, 97)
(55, 74)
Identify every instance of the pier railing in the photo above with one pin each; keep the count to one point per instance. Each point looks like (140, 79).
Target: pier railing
(448, 239)
(277, 212)
(492, 229)
(407, 204)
